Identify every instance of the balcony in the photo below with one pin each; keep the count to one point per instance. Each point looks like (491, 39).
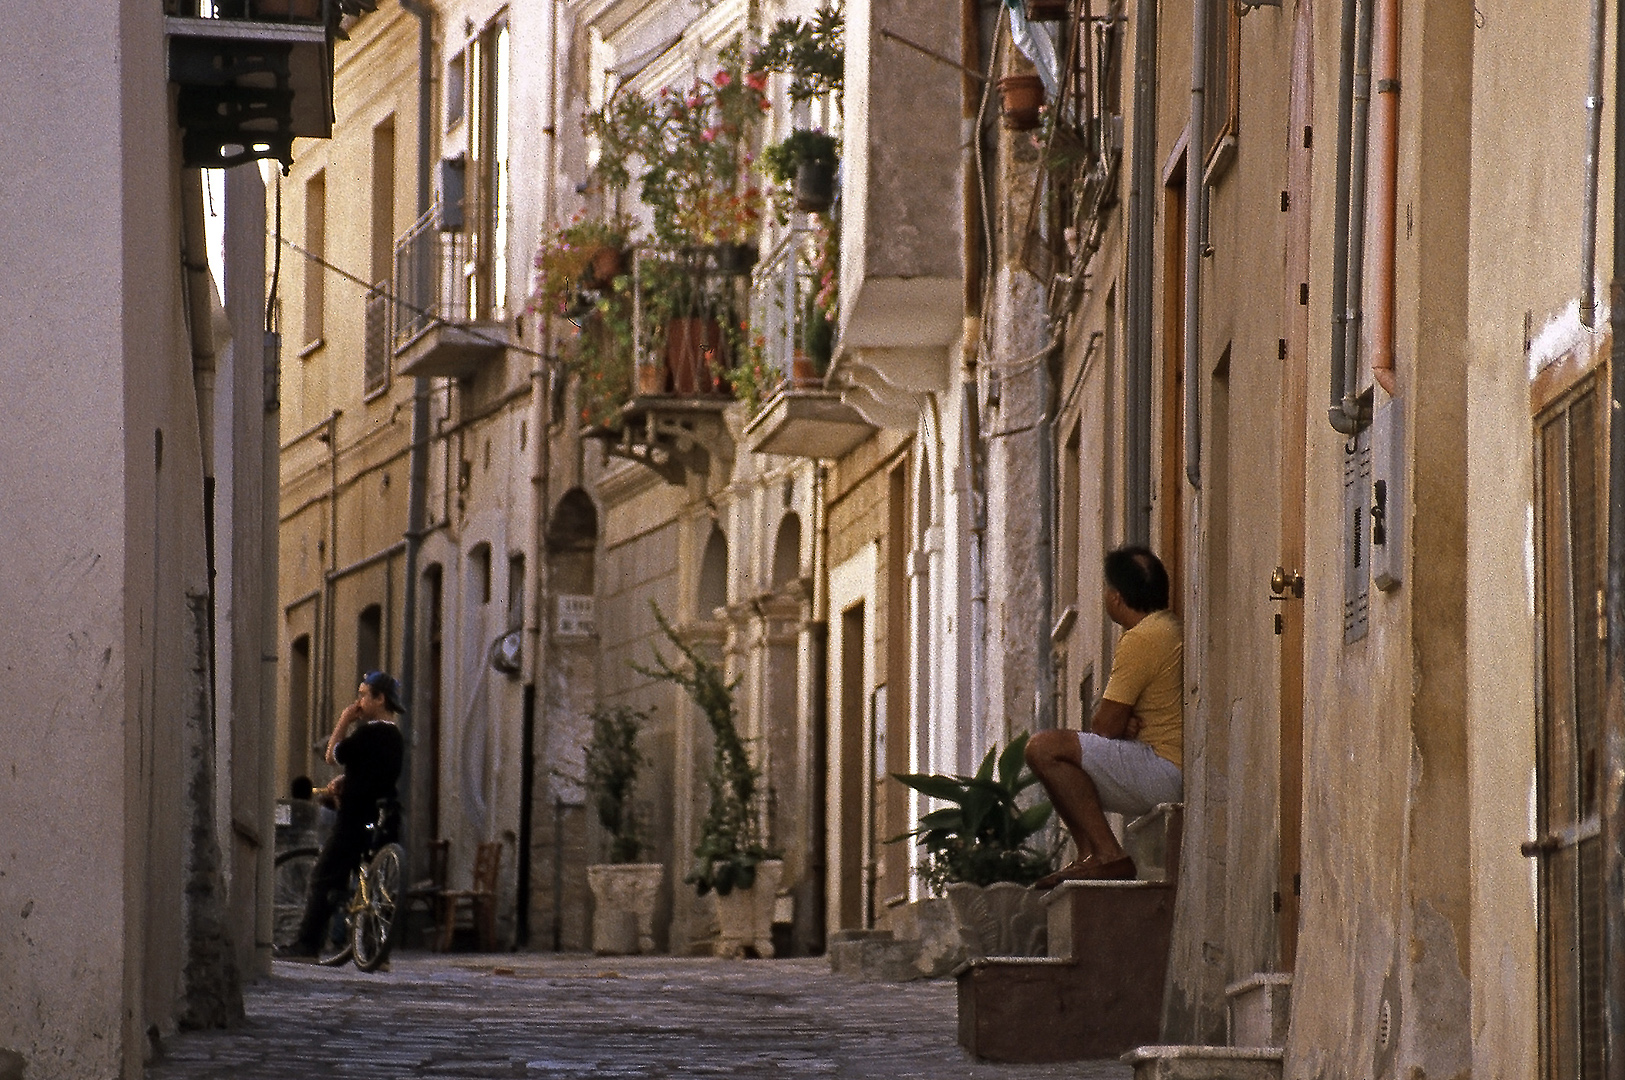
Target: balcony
(800, 418)
(685, 318)
(903, 230)
(251, 78)
(438, 332)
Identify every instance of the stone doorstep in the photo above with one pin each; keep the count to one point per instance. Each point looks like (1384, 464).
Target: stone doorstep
(1206, 1062)
(874, 955)
(1012, 961)
(1259, 1009)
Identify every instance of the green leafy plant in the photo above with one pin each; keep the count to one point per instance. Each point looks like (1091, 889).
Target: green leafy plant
(984, 836)
(583, 256)
(689, 151)
(812, 53)
(730, 843)
(779, 160)
(613, 761)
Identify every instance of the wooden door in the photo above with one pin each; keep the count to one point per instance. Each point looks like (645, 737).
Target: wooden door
(1294, 419)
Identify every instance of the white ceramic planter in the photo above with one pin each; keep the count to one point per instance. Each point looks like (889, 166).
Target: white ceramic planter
(623, 914)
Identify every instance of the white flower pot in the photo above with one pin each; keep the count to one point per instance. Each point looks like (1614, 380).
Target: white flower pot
(745, 916)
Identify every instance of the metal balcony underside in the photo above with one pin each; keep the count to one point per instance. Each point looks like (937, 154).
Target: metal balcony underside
(451, 349)
(248, 88)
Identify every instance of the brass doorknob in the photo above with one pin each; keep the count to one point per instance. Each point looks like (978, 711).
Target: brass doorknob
(1283, 581)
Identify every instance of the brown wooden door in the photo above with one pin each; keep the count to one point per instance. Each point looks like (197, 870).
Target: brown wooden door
(1294, 419)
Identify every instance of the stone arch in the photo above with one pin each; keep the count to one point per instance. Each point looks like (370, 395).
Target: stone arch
(712, 592)
(787, 551)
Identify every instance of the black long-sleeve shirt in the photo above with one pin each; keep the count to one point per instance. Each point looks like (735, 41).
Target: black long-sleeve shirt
(371, 755)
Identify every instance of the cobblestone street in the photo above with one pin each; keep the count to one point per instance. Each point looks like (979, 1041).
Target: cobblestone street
(547, 1016)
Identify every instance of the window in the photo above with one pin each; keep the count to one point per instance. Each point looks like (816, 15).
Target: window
(1570, 536)
(316, 245)
(713, 590)
(456, 84)
(1222, 102)
(485, 271)
(299, 708)
(369, 639)
(377, 351)
(516, 591)
(479, 573)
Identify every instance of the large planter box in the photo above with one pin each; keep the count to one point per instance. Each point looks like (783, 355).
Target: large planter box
(745, 916)
(623, 913)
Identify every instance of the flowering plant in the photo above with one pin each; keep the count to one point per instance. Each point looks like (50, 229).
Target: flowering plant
(584, 256)
(691, 152)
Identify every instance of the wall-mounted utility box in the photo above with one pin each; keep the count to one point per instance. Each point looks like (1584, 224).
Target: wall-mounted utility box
(1388, 507)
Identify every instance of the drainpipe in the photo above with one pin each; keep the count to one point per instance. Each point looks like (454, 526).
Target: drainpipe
(1588, 213)
(1613, 793)
(971, 450)
(200, 304)
(1355, 31)
(1195, 185)
(1385, 194)
(1138, 303)
(417, 476)
(1357, 191)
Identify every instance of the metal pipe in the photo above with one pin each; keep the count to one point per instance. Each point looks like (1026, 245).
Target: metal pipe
(417, 475)
(1385, 195)
(1360, 120)
(1588, 209)
(1194, 188)
(1613, 785)
(1138, 304)
(1340, 221)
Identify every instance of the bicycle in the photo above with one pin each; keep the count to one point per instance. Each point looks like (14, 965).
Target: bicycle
(368, 928)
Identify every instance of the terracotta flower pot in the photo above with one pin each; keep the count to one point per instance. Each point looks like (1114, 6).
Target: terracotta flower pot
(651, 379)
(803, 372)
(602, 269)
(1021, 98)
(691, 342)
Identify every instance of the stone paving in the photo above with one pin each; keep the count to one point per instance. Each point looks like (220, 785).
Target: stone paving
(547, 1017)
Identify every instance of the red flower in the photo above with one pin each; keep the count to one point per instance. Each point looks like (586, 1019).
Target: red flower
(756, 80)
(722, 78)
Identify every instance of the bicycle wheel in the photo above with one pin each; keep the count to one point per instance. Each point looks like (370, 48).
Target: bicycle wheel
(374, 928)
(291, 882)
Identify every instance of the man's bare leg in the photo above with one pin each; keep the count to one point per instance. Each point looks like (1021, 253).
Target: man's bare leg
(1057, 760)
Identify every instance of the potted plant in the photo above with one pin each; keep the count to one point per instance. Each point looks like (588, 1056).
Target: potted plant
(812, 53)
(979, 851)
(690, 153)
(731, 858)
(806, 160)
(574, 262)
(1020, 97)
(624, 890)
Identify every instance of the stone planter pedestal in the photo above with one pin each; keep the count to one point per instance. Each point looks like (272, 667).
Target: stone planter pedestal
(623, 914)
(1000, 920)
(745, 916)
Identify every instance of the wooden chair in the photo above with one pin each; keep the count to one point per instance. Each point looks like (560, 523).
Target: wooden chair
(481, 901)
(431, 888)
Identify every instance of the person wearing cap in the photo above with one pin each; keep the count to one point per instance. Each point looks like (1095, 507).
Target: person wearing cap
(368, 745)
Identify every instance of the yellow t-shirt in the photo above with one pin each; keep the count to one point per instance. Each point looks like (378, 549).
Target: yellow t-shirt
(1148, 673)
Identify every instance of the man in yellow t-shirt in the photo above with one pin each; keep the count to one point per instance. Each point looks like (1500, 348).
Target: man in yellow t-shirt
(1133, 757)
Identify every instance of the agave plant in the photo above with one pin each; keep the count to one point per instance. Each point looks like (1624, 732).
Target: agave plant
(985, 835)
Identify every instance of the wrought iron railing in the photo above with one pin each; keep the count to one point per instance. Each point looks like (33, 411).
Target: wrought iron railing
(783, 305)
(432, 278)
(379, 345)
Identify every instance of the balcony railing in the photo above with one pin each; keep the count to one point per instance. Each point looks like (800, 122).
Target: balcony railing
(439, 329)
(782, 304)
(379, 347)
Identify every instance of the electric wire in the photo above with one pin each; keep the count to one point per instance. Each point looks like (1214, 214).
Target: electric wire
(394, 298)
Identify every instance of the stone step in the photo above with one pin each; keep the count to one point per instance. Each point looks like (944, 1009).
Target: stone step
(1260, 1009)
(873, 955)
(1098, 993)
(1205, 1062)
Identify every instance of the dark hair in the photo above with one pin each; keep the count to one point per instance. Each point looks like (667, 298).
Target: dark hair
(1139, 578)
(385, 686)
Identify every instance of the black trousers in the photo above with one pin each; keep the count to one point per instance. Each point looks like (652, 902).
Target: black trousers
(330, 879)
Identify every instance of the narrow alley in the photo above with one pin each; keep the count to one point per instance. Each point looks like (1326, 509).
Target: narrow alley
(575, 1015)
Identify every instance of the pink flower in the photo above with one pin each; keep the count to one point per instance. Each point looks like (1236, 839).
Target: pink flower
(756, 80)
(722, 78)
(708, 135)
(693, 101)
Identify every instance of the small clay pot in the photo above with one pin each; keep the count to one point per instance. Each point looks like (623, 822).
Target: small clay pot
(602, 269)
(1021, 96)
(651, 378)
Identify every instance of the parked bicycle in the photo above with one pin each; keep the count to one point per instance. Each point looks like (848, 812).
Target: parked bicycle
(365, 926)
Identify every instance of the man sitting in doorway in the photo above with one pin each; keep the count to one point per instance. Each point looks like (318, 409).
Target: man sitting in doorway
(1132, 758)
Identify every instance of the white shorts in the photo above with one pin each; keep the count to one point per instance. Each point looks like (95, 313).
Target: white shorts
(1130, 777)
